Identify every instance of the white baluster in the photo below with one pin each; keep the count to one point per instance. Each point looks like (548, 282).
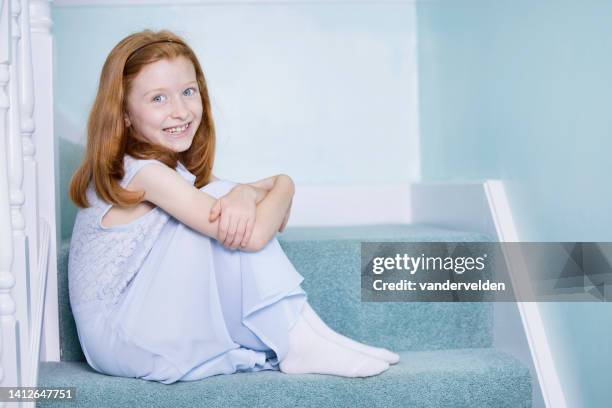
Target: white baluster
(31, 376)
(35, 301)
(21, 260)
(27, 82)
(8, 322)
(42, 63)
(15, 150)
(30, 178)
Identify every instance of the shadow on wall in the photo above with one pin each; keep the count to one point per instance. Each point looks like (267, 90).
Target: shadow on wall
(70, 156)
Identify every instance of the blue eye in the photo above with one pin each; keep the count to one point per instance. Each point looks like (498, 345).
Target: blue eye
(189, 91)
(157, 98)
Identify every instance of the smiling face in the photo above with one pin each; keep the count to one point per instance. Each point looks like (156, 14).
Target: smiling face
(164, 106)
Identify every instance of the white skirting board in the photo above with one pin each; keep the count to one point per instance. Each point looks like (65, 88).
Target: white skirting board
(350, 205)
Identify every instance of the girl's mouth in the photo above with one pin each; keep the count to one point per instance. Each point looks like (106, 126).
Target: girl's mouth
(178, 131)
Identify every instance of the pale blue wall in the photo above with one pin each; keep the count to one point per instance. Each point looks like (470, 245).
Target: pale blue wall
(522, 91)
(325, 93)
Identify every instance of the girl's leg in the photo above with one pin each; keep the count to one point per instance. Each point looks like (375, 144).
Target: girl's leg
(260, 292)
(309, 352)
(229, 283)
(324, 330)
(252, 287)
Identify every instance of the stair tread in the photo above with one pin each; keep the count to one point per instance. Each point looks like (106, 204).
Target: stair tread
(457, 377)
(382, 232)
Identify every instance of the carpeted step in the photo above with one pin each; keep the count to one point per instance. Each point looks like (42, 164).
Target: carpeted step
(478, 377)
(329, 260)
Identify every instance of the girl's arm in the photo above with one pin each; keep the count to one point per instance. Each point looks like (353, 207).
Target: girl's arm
(265, 184)
(272, 210)
(163, 185)
(262, 187)
(238, 212)
(165, 188)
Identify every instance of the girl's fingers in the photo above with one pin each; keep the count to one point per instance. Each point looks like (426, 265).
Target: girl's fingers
(247, 232)
(231, 232)
(223, 228)
(239, 233)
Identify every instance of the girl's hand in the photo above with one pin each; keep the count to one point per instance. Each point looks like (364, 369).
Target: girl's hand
(286, 219)
(237, 210)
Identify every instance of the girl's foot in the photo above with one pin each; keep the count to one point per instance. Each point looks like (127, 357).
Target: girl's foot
(324, 330)
(312, 353)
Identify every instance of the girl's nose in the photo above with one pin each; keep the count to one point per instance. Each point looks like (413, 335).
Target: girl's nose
(179, 109)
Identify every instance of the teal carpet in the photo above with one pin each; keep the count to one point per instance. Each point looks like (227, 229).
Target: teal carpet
(447, 359)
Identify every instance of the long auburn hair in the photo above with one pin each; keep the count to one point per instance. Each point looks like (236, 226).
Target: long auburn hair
(108, 139)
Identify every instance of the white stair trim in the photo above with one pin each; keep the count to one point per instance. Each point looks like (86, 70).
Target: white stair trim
(547, 375)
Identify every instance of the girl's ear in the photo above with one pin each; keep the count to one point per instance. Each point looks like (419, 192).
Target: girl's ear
(126, 119)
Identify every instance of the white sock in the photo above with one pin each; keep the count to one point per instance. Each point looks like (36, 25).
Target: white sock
(312, 353)
(324, 330)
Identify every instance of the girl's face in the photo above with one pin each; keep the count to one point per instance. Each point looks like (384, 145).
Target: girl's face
(164, 104)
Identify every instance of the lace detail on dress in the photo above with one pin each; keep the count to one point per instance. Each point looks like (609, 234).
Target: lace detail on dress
(104, 260)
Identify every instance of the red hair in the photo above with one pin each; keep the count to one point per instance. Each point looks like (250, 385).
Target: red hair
(108, 139)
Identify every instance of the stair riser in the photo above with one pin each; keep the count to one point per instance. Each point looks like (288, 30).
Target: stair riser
(331, 271)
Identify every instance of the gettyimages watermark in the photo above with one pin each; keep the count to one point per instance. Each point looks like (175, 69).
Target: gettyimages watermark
(486, 271)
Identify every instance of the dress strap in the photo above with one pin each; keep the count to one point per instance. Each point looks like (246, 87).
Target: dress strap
(131, 167)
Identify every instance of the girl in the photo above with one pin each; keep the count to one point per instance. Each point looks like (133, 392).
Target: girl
(175, 275)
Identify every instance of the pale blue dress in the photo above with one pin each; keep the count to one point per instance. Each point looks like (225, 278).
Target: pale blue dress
(157, 300)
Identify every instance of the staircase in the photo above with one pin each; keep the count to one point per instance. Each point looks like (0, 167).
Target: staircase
(447, 358)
